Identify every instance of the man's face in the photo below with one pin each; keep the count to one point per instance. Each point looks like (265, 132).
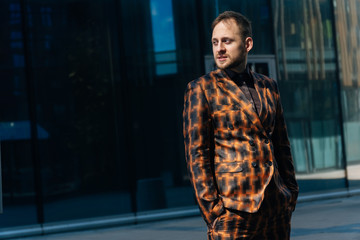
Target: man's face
(230, 51)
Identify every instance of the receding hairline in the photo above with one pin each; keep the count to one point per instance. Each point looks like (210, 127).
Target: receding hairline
(226, 21)
(241, 21)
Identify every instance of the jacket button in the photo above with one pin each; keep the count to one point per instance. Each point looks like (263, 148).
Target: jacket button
(270, 163)
(254, 164)
(267, 141)
(252, 143)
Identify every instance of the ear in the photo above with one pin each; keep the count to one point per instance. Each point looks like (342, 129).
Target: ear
(249, 43)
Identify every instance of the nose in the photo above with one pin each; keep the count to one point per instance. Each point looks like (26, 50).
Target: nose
(220, 48)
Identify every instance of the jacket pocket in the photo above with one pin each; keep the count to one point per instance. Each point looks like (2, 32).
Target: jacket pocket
(213, 225)
(217, 220)
(229, 167)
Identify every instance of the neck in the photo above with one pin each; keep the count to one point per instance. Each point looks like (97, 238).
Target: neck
(239, 69)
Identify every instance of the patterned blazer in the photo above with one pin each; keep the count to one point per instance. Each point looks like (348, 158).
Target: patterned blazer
(232, 153)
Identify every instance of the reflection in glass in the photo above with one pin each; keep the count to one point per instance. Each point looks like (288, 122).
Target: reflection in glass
(308, 84)
(164, 36)
(17, 170)
(82, 170)
(348, 28)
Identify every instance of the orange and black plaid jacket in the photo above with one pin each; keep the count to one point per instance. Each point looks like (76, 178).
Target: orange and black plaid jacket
(232, 153)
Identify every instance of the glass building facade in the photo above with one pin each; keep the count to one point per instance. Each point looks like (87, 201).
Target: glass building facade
(92, 99)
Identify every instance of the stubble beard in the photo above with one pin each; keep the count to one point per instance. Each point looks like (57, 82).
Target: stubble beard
(239, 63)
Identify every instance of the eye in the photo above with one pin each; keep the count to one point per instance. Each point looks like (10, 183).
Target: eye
(227, 41)
(214, 43)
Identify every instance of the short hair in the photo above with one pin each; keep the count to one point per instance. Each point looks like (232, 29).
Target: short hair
(243, 23)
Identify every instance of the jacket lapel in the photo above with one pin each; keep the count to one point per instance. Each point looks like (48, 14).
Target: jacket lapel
(230, 88)
(268, 103)
(261, 91)
(236, 94)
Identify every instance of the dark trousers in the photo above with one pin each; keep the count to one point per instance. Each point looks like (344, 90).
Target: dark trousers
(271, 222)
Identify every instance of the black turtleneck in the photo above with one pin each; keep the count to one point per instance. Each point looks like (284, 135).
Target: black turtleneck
(246, 83)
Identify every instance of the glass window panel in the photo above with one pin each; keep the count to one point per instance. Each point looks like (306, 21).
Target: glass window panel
(309, 90)
(155, 101)
(165, 68)
(163, 34)
(75, 59)
(17, 168)
(162, 25)
(348, 31)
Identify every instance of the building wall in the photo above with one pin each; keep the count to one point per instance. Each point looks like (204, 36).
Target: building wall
(308, 79)
(92, 98)
(347, 20)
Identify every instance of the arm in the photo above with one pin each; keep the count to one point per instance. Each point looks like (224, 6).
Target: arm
(283, 153)
(197, 129)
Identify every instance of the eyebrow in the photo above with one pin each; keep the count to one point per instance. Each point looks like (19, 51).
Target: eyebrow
(223, 38)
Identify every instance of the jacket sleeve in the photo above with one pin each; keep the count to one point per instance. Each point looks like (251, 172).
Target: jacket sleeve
(197, 130)
(283, 152)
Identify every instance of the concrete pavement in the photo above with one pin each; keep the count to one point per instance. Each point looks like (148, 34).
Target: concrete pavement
(333, 219)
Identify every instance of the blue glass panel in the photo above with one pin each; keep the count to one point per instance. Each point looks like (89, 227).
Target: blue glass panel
(164, 35)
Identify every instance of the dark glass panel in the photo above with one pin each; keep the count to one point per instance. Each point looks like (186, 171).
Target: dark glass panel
(15, 138)
(155, 101)
(206, 16)
(75, 64)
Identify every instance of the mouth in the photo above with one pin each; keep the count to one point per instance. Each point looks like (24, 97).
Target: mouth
(221, 58)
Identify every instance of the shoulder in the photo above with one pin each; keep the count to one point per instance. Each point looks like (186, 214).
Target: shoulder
(266, 81)
(205, 82)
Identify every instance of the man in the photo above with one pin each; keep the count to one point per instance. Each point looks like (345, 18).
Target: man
(236, 143)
